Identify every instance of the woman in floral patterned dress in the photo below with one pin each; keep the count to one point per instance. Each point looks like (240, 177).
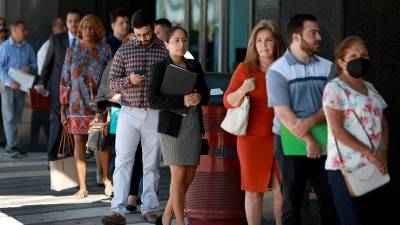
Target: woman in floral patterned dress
(80, 79)
(352, 105)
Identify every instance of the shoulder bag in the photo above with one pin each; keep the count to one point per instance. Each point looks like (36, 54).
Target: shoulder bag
(98, 134)
(63, 173)
(236, 119)
(363, 179)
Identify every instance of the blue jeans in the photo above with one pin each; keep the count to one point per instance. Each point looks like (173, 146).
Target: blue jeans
(346, 207)
(370, 209)
(12, 106)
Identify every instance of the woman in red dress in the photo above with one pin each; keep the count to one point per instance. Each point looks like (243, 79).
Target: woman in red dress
(255, 149)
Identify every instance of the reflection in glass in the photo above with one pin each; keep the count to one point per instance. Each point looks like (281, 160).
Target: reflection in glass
(214, 19)
(173, 10)
(194, 29)
(204, 19)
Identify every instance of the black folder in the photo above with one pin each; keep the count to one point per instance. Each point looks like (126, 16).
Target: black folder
(178, 81)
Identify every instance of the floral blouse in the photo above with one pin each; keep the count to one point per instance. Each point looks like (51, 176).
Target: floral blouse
(340, 96)
(80, 78)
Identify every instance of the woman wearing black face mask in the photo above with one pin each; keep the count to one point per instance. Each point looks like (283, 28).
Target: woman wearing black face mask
(358, 133)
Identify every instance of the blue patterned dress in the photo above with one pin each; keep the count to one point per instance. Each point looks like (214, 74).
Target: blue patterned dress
(80, 80)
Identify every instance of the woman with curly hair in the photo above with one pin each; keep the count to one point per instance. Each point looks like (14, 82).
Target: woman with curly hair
(80, 79)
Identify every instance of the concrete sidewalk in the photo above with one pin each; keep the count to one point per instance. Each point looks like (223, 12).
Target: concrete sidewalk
(26, 198)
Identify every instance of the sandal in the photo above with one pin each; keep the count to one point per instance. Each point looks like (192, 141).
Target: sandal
(81, 194)
(108, 188)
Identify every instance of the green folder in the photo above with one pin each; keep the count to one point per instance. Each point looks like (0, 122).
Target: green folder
(294, 146)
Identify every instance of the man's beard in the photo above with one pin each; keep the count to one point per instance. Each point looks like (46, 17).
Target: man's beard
(308, 48)
(147, 43)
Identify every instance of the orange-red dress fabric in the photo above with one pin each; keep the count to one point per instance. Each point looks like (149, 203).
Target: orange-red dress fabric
(255, 150)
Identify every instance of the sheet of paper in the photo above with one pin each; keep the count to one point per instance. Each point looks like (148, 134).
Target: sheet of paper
(216, 91)
(25, 80)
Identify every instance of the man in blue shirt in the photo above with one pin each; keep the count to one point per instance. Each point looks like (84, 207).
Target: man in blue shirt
(14, 53)
(295, 83)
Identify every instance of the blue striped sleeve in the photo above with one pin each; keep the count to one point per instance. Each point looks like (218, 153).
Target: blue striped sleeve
(277, 89)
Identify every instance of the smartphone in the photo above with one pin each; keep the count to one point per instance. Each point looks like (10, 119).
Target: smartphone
(140, 71)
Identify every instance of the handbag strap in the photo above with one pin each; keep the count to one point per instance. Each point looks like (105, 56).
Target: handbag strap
(249, 75)
(359, 121)
(246, 68)
(65, 140)
(366, 133)
(61, 146)
(363, 127)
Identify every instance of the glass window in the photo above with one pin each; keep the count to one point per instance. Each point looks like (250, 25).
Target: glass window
(218, 29)
(238, 32)
(173, 10)
(214, 19)
(194, 28)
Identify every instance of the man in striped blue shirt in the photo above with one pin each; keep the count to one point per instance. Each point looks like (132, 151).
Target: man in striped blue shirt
(14, 53)
(295, 83)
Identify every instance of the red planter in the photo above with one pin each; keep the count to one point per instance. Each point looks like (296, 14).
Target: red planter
(214, 197)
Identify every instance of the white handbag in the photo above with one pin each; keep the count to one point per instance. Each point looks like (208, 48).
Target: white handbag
(63, 173)
(363, 179)
(236, 119)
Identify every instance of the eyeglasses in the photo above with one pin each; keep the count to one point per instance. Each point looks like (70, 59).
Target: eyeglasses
(145, 36)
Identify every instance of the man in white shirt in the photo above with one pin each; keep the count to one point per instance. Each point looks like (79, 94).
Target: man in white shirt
(59, 26)
(51, 73)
